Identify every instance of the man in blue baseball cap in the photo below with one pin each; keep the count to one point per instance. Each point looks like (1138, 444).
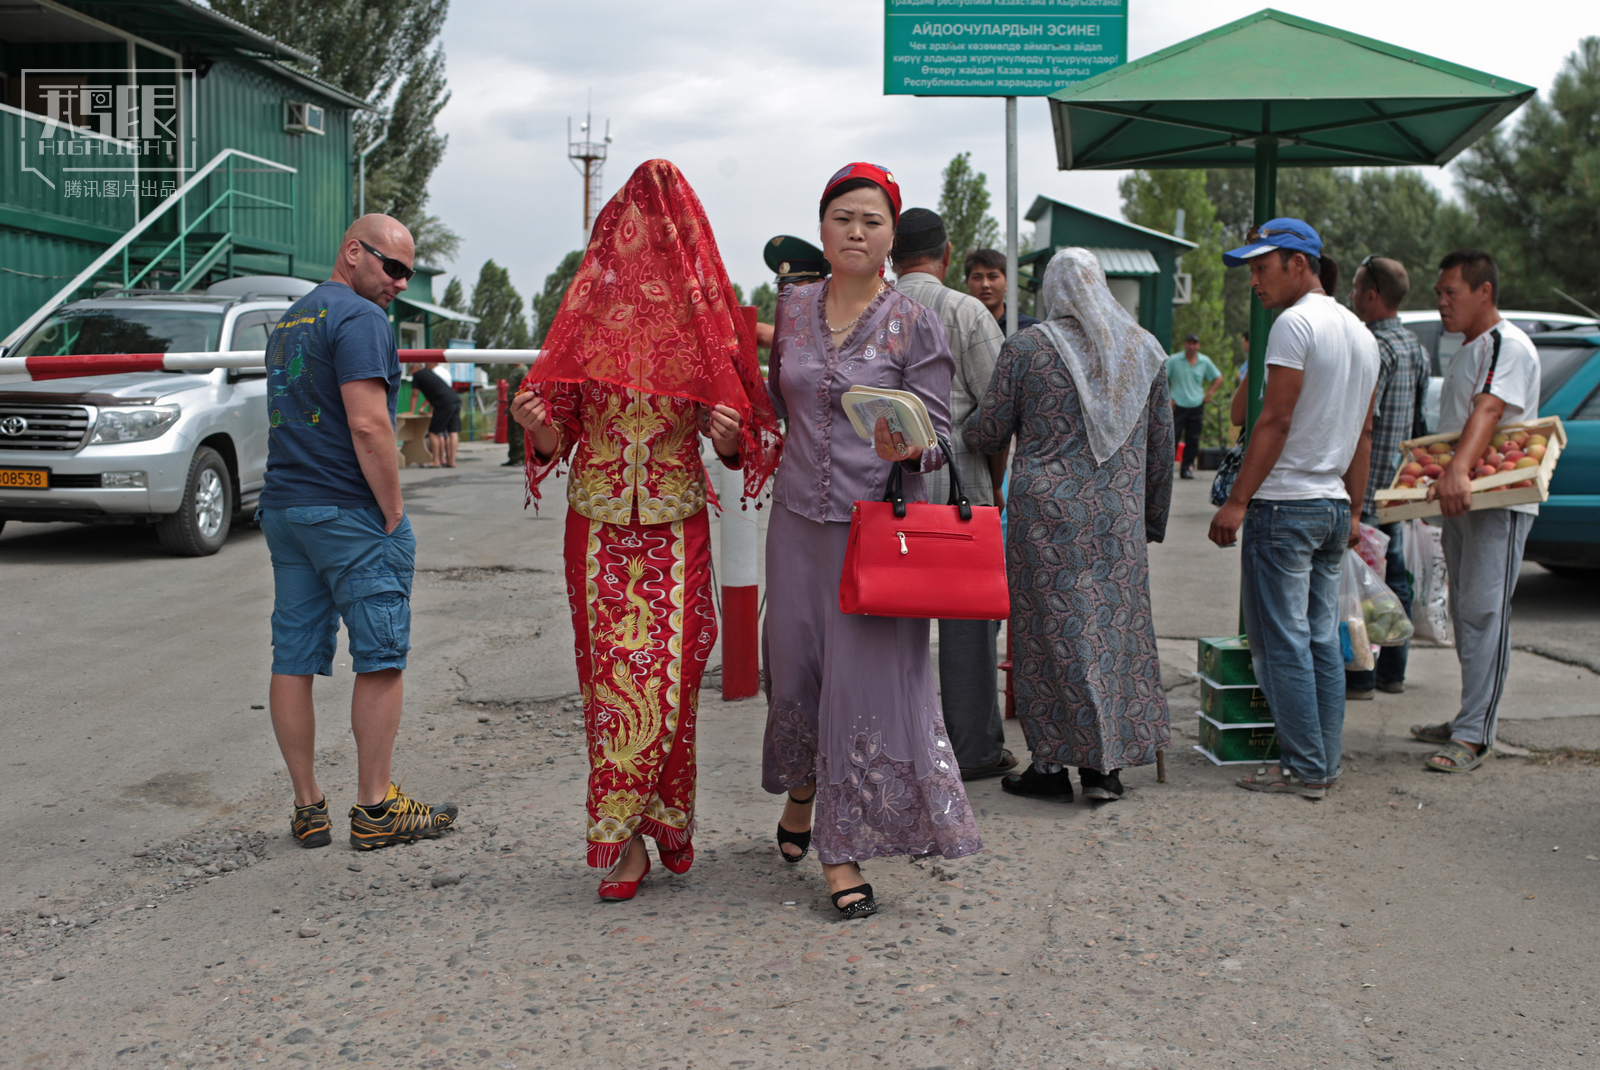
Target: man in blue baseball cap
(1306, 462)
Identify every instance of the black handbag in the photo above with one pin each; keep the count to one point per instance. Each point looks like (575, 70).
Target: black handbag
(1228, 470)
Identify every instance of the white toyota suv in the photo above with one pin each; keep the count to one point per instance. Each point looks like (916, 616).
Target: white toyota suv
(185, 451)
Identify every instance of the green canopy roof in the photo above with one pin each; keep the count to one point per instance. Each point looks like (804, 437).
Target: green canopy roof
(1328, 98)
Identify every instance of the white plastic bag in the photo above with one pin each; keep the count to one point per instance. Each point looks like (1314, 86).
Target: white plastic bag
(1430, 585)
(1357, 648)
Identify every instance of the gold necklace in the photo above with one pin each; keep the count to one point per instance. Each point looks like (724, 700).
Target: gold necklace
(882, 286)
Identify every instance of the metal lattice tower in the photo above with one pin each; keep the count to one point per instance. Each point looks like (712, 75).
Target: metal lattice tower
(588, 157)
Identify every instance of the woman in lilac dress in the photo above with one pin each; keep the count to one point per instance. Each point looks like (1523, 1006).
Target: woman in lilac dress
(853, 722)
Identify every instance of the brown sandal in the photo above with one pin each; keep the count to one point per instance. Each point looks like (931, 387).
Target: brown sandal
(1461, 756)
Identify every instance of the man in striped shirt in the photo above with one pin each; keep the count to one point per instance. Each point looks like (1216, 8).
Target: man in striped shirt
(1380, 284)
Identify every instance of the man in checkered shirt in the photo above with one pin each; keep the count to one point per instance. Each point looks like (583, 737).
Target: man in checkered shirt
(1380, 284)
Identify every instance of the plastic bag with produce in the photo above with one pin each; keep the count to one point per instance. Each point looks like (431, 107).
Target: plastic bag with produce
(1381, 612)
(1374, 548)
(1353, 641)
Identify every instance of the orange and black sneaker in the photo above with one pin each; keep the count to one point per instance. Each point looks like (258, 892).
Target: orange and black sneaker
(400, 819)
(310, 825)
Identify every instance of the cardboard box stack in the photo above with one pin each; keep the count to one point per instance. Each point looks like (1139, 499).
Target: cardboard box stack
(1235, 725)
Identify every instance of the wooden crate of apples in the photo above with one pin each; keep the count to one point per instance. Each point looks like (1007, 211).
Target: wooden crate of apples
(1515, 469)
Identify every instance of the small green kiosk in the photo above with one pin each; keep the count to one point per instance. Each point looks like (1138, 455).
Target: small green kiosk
(1142, 265)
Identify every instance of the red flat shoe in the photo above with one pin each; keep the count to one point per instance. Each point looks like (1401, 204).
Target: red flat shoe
(621, 891)
(677, 861)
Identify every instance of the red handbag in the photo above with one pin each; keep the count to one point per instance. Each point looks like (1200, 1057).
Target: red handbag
(911, 559)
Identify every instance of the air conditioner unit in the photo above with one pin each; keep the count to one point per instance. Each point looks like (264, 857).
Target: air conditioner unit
(304, 118)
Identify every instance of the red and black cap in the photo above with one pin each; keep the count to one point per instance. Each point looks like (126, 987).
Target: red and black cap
(882, 177)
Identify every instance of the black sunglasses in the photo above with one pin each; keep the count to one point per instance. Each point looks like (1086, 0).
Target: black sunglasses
(391, 267)
(1257, 233)
(1373, 269)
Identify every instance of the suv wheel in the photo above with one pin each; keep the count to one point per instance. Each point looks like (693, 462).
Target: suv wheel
(200, 526)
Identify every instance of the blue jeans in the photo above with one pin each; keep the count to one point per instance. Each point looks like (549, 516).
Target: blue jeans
(1289, 592)
(330, 562)
(1391, 667)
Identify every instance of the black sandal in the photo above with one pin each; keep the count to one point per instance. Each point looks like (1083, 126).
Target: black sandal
(864, 907)
(801, 840)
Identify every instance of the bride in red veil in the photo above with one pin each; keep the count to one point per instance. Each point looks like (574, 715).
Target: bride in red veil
(647, 352)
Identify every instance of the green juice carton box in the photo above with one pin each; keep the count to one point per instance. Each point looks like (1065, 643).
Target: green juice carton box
(1237, 744)
(1226, 660)
(1233, 704)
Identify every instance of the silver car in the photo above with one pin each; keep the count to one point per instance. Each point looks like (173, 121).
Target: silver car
(184, 451)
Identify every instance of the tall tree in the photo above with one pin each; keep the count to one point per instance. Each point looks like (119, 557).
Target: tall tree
(455, 299)
(1533, 195)
(387, 52)
(1152, 199)
(548, 303)
(964, 207)
(498, 306)
(1395, 213)
(765, 298)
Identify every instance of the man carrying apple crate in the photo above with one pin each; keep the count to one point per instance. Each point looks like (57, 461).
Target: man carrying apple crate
(1492, 378)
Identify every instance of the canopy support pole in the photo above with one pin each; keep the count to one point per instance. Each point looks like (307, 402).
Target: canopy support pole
(1266, 208)
(1012, 311)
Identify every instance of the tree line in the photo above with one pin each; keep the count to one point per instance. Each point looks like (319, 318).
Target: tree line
(1528, 193)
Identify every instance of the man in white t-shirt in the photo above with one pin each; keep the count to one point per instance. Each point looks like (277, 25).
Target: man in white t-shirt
(1493, 378)
(1306, 462)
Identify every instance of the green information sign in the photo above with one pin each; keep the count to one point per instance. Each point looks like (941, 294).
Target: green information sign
(999, 48)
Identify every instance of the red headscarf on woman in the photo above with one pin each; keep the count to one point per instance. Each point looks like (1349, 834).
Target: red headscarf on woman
(651, 308)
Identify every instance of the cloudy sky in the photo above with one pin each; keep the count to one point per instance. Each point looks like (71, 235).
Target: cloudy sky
(759, 102)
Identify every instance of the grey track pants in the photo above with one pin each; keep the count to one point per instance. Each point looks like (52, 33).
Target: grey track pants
(1483, 554)
(968, 690)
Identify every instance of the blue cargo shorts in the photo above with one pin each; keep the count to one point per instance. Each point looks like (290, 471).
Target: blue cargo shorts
(330, 562)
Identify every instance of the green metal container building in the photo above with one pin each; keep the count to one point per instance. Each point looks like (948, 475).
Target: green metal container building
(1141, 264)
(112, 111)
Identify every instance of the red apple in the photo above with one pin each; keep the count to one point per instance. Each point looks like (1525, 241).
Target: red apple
(1433, 471)
(1481, 471)
(1413, 470)
(1513, 454)
(1536, 451)
(1526, 462)
(1520, 438)
(1507, 466)
(1524, 483)
(1493, 459)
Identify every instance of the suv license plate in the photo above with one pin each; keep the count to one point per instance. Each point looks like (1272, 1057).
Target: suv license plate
(24, 479)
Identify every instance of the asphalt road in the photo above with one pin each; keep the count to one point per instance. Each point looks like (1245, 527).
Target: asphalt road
(1411, 920)
(130, 674)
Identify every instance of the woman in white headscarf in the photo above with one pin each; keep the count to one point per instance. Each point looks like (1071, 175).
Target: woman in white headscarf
(1084, 395)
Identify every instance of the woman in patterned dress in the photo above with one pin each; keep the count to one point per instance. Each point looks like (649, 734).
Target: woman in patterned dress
(853, 723)
(1090, 486)
(647, 351)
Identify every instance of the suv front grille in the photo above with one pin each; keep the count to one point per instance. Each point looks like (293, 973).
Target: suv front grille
(42, 427)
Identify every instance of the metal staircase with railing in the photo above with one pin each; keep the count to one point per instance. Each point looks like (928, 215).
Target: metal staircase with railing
(205, 237)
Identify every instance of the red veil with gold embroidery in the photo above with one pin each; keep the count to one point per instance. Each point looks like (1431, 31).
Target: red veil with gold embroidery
(651, 308)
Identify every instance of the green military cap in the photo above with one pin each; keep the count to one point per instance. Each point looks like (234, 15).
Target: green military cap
(795, 259)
